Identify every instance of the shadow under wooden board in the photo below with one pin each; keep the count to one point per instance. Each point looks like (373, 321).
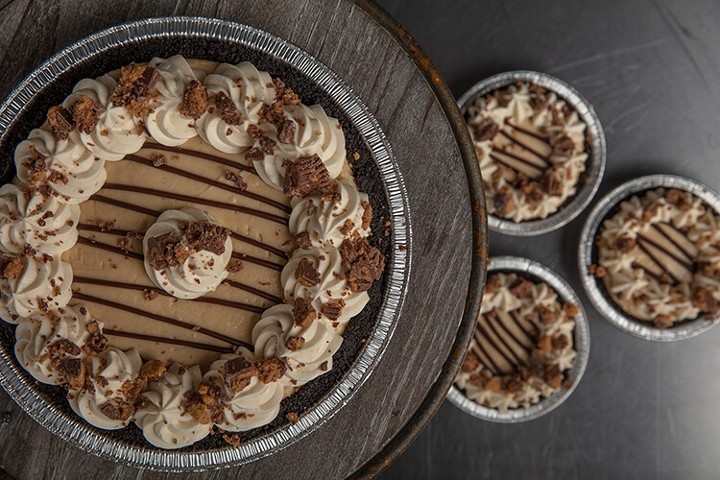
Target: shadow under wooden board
(389, 72)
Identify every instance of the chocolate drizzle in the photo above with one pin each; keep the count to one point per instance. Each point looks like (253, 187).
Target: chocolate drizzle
(504, 341)
(214, 183)
(171, 341)
(203, 155)
(666, 253)
(254, 291)
(533, 165)
(142, 288)
(110, 248)
(202, 201)
(155, 316)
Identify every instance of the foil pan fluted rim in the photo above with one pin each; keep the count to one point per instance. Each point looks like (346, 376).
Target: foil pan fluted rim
(20, 385)
(592, 176)
(534, 271)
(587, 254)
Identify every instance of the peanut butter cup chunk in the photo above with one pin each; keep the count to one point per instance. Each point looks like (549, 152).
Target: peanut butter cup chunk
(12, 268)
(163, 251)
(238, 372)
(73, 372)
(195, 100)
(118, 410)
(363, 263)
(271, 369)
(307, 274)
(284, 94)
(134, 88)
(333, 309)
(207, 236)
(303, 312)
(227, 109)
(305, 176)
(61, 122)
(85, 114)
(287, 132)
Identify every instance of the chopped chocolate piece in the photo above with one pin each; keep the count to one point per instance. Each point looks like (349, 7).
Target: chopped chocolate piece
(553, 376)
(295, 343)
(553, 185)
(73, 372)
(305, 176)
(134, 88)
(238, 373)
(287, 132)
(254, 131)
(150, 294)
(564, 145)
(347, 227)
(678, 198)
(62, 348)
(195, 100)
(535, 88)
(538, 103)
(306, 273)
(61, 122)
(522, 288)
(118, 410)
(493, 284)
(486, 130)
(502, 100)
(198, 410)
(97, 343)
(544, 344)
(237, 179)
(471, 363)
(705, 301)
(13, 269)
(662, 321)
(560, 342)
(597, 270)
(547, 315)
(158, 159)
(283, 94)
(570, 309)
(303, 312)
(513, 385)
(254, 155)
(235, 266)
(302, 240)
(367, 215)
(267, 144)
(271, 370)
(227, 109)
(233, 440)
(293, 417)
(503, 202)
(333, 309)
(152, 370)
(85, 114)
(204, 235)
(625, 244)
(161, 251)
(362, 263)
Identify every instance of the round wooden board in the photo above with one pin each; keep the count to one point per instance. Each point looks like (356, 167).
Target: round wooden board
(417, 112)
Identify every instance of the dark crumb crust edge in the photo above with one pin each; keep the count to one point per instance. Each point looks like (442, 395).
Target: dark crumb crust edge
(365, 170)
(534, 279)
(584, 176)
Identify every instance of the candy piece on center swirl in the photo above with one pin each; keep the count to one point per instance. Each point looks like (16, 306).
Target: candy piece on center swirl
(187, 252)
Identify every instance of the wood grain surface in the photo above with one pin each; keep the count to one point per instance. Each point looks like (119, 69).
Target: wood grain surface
(384, 75)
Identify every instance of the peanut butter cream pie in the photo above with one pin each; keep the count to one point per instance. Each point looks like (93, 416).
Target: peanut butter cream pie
(183, 247)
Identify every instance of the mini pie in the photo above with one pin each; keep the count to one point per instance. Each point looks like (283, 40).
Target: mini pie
(183, 247)
(522, 348)
(659, 257)
(532, 149)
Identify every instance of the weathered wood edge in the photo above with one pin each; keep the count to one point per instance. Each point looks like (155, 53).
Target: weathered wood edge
(435, 397)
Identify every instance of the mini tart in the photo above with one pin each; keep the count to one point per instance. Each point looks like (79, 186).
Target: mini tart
(532, 148)
(183, 248)
(658, 257)
(522, 348)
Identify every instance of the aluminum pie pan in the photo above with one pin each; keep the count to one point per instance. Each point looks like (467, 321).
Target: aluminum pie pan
(71, 428)
(590, 179)
(587, 255)
(533, 270)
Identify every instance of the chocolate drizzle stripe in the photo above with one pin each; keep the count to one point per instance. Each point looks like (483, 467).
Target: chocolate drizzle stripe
(682, 261)
(492, 345)
(110, 248)
(159, 318)
(207, 181)
(129, 206)
(203, 155)
(138, 256)
(661, 227)
(258, 261)
(656, 261)
(484, 358)
(533, 332)
(131, 286)
(524, 146)
(521, 342)
(125, 205)
(530, 133)
(536, 174)
(172, 341)
(203, 201)
(494, 325)
(254, 291)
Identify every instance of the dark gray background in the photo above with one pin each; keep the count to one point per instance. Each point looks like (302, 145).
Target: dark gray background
(652, 71)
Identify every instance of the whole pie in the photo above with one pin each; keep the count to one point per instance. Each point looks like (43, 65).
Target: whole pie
(183, 247)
